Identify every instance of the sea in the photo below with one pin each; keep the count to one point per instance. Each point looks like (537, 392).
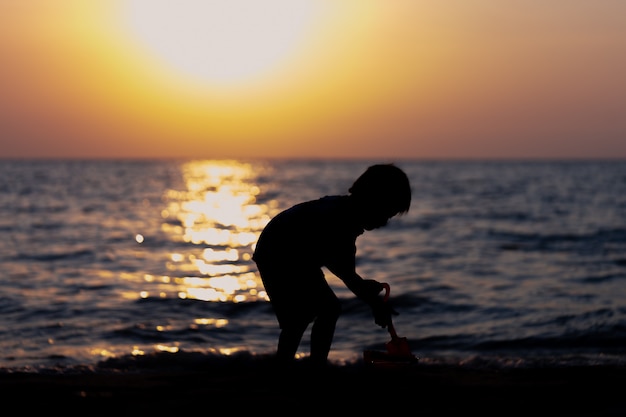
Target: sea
(498, 263)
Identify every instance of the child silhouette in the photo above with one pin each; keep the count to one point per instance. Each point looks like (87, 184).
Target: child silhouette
(298, 242)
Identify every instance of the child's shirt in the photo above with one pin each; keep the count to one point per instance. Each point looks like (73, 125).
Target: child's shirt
(312, 234)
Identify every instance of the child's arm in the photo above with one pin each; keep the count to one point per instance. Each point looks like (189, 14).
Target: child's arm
(365, 289)
(368, 290)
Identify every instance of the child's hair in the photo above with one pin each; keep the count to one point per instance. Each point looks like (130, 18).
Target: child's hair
(384, 185)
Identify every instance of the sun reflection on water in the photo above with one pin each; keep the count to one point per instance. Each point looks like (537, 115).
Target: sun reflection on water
(213, 222)
(218, 216)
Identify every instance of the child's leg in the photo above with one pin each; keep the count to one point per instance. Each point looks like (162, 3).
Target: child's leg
(323, 329)
(289, 340)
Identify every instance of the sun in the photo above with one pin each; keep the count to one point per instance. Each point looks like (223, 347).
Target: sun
(222, 41)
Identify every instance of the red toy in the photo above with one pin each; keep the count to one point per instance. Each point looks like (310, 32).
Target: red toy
(398, 349)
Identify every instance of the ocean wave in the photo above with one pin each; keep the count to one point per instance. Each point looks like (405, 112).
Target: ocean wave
(213, 361)
(496, 262)
(55, 256)
(595, 241)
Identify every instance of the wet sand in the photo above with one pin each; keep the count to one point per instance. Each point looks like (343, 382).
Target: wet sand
(260, 388)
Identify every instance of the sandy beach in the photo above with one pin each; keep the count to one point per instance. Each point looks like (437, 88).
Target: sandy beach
(248, 388)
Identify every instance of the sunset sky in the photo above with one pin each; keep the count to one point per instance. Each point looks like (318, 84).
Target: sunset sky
(312, 78)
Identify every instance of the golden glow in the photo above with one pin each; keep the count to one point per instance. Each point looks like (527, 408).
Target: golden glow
(339, 78)
(104, 353)
(215, 198)
(213, 269)
(177, 257)
(211, 322)
(230, 351)
(220, 255)
(169, 349)
(221, 41)
(217, 213)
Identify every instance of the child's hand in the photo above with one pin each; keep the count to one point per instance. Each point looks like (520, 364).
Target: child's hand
(382, 313)
(370, 289)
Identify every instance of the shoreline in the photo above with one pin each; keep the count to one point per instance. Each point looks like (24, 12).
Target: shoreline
(414, 390)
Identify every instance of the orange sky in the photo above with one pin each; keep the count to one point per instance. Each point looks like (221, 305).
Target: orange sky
(313, 78)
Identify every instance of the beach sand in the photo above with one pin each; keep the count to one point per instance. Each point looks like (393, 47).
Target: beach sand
(259, 387)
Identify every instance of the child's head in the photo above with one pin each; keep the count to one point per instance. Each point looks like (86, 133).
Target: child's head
(382, 191)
